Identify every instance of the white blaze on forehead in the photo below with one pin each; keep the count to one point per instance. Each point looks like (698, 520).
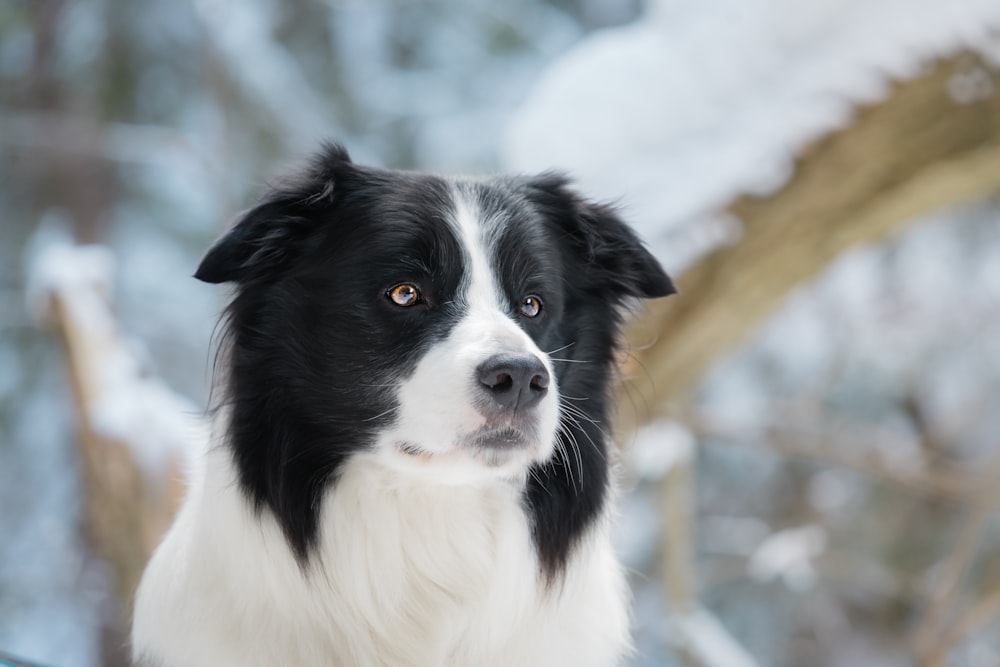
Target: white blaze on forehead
(489, 321)
(481, 287)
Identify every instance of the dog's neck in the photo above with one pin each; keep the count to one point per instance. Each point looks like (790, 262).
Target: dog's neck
(398, 555)
(404, 572)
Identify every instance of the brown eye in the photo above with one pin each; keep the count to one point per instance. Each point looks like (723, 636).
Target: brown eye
(404, 294)
(531, 306)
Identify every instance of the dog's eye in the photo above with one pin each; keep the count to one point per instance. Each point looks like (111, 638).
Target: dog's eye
(531, 306)
(404, 294)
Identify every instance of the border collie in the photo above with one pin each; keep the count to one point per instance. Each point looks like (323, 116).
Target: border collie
(411, 457)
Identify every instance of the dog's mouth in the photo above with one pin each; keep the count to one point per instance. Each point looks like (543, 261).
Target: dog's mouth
(505, 437)
(492, 446)
(498, 447)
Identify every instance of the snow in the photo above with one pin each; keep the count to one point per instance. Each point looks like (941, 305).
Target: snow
(457, 93)
(58, 267)
(971, 86)
(128, 403)
(659, 447)
(242, 33)
(787, 555)
(698, 102)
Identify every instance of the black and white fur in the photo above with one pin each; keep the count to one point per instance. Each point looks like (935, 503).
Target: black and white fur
(423, 484)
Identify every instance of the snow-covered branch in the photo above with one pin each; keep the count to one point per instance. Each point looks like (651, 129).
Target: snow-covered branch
(135, 433)
(933, 152)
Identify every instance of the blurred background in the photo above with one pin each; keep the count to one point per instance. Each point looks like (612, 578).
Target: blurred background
(810, 432)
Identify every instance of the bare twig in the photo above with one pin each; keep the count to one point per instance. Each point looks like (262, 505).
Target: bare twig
(974, 618)
(932, 641)
(845, 445)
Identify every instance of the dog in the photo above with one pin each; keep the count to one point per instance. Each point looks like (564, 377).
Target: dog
(410, 462)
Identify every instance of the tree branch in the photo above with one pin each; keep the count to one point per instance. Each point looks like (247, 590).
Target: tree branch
(916, 152)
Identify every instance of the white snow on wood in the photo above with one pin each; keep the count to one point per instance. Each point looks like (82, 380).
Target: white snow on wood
(700, 101)
(59, 267)
(126, 402)
(787, 555)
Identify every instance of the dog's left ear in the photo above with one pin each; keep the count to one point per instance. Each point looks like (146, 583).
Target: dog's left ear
(267, 238)
(615, 257)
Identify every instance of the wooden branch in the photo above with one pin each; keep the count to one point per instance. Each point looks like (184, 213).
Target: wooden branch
(121, 517)
(929, 639)
(677, 568)
(914, 153)
(125, 511)
(974, 618)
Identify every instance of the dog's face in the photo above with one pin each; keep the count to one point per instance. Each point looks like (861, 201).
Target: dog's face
(454, 329)
(482, 396)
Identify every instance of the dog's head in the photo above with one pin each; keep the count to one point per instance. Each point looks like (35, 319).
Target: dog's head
(458, 329)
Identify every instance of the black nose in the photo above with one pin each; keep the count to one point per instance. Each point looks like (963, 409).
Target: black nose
(514, 381)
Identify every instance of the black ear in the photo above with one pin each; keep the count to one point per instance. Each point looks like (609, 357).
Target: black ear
(615, 257)
(269, 236)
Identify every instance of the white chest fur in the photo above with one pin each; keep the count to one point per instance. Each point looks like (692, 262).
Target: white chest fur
(406, 573)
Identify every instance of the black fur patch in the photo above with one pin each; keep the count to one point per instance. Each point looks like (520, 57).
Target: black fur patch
(583, 261)
(313, 344)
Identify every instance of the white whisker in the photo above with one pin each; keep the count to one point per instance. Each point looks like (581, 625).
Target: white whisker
(560, 349)
(381, 414)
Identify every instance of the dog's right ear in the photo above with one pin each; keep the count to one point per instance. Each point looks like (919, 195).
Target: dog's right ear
(267, 238)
